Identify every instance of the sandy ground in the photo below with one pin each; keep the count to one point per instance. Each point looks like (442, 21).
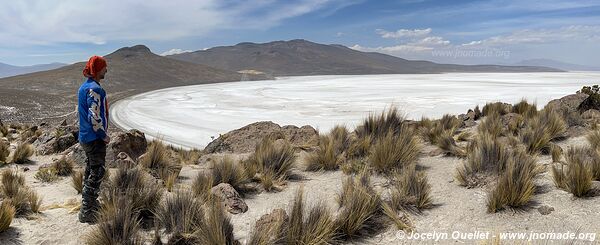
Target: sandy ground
(457, 209)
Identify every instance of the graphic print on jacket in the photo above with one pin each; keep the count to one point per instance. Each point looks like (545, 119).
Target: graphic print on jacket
(93, 111)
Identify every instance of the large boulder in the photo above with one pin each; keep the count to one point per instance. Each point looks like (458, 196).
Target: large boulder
(568, 103)
(133, 143)
(245, 139)
(230, 198)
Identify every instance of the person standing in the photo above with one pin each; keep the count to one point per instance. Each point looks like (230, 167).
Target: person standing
(92, 108)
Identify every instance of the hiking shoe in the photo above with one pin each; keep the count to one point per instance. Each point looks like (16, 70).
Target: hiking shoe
(88, 217)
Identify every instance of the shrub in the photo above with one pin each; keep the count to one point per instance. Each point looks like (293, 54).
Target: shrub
(46, 175)
(410, 190)
(274, 163)
(7, 213)
(485, 156)
(379, 126)
(63, 166)
(22, 153)
(225, 170)
(77, 180)
(395, 151)
(515, 186)
(117, 224)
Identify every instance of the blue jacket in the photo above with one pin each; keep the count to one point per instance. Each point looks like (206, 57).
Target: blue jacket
(93, 111)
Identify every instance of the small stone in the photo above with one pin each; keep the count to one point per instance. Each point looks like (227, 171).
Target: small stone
(545, 209)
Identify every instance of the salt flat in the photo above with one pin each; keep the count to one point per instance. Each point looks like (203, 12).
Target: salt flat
(188, 116)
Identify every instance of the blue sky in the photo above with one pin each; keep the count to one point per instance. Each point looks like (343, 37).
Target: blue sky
(466, 32)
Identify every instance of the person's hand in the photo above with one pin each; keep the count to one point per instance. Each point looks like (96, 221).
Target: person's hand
(107, 139)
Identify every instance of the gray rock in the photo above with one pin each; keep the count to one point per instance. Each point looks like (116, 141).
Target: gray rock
(230, 198)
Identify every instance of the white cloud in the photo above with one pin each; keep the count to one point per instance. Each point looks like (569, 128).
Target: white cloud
(404, 33)
(528, 36)
(40, 22)
(175, 51)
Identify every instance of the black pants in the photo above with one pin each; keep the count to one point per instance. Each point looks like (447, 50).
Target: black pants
(95, 153)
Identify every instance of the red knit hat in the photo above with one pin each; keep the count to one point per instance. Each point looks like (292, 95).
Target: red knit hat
(93, 66)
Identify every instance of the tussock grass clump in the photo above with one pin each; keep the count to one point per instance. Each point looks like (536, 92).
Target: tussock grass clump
(541, 129)
(226, 170)
(395, 151)
(379, 126)
(464, 136)
(137, 186)
(525, 108)
(362, 213)
(217, 227)
(22, 154)
(24, 199)
(359, 147)
(593, 138)
(447, 125)
(46, 175)
(3, 130)
(491, 125)
(486, 156)
(77, 180)
(274, 163)
(449, 122)
(180, 214)
(202, 185)
(117, 224)
(556, 152)
(7, 213)
(447, 143)
(63, 166)
(156, 160)
(515, 187)
(553, 123)
(495, 108)
(313, 226)
(4, 151)
(410, 190)
(578, 176)
(326, 157)
(188, 157)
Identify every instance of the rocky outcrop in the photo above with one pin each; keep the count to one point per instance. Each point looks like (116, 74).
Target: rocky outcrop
(132, 142)
(568, 103)
(56, 140)
(245, 139)
(230, 198)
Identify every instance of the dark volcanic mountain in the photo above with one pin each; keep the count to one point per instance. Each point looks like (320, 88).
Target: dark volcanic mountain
(7, 70)
(131, 70)
(301, 57)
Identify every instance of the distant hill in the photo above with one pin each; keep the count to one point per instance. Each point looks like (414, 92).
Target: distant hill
(301, 57)
(557, 64)
(131, 70)
(7, 70)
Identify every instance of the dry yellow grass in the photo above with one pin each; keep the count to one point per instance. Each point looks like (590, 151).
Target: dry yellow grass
(395, 151)
(22, 153)
(7, 213)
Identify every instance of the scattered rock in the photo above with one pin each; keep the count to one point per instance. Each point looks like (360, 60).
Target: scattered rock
(545, 209)
(468, 120)
(133, 143)
(568, 103)
(230, 198)
(123, 159)
(271, 221)
(245, 139)
(25, 169)
(76, 153)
